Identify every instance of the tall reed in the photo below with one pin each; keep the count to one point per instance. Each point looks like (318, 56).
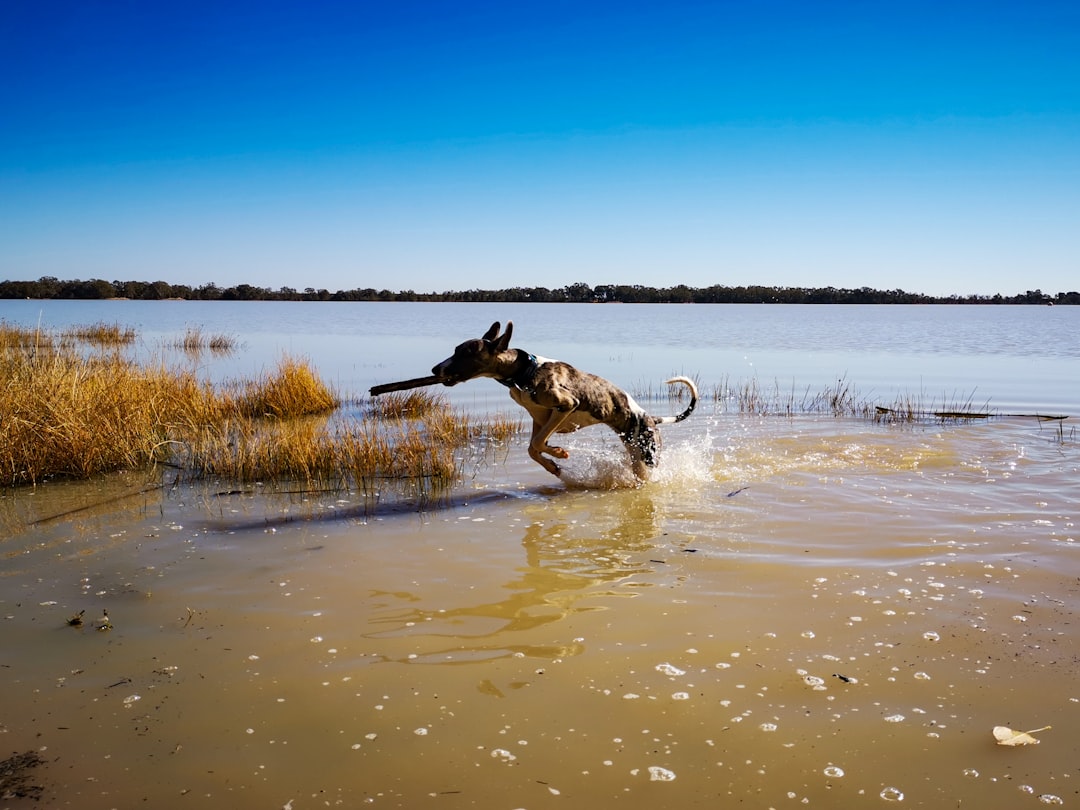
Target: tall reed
(840, 399)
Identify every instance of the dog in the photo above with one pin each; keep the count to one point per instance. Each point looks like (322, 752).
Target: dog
(560, 398)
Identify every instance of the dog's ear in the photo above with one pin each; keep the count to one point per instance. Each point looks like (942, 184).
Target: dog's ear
(504, 341)
(493, 332)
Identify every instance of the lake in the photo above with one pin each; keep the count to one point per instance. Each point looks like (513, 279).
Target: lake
(1013, 357)
(802, 609)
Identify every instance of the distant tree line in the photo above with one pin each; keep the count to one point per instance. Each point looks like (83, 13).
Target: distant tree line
(50, 287)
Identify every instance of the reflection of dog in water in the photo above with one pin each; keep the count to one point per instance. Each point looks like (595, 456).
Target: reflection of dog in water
(570, 560)
(560, 398)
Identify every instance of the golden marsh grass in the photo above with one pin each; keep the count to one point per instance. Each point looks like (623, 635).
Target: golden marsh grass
(292, 389)
(18, 337)
(65, 414)
(407, 404)
(102, 334)
(194, 341)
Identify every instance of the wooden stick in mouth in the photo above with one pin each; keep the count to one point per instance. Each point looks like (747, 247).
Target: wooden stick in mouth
(404, 385)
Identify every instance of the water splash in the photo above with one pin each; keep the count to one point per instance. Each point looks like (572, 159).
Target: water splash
(606, 466)
(685, 464)
(603, 467)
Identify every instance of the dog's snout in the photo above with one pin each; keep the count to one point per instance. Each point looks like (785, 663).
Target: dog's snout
(442, 371)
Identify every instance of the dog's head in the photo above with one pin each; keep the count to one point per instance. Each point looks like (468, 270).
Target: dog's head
(474, 358)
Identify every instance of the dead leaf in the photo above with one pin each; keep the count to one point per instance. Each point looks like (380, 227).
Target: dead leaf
(1006, 736)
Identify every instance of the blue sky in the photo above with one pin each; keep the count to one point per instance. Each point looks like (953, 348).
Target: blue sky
(928, 146)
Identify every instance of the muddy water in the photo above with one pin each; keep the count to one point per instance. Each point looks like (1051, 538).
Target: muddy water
(795, 612)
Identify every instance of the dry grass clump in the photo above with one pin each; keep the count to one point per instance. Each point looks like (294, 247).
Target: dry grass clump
(19, 337)
(292, 390)
(246, 449)
(102, 334)
(421, 437)
(194, 341)
(64, 415)
(502, 428)
(353, 453)
(441, 423)
(412, 404)
(404, 451)
(221, 343)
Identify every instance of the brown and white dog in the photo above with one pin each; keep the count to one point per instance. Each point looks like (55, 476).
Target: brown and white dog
(560, 398)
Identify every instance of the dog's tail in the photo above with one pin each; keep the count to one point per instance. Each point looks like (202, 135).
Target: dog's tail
(670, 420)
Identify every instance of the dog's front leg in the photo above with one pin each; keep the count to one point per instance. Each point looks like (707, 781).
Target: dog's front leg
(642, 445)
(538, 445)
(637, 463)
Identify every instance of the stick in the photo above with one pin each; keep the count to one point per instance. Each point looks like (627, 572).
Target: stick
(404, 385)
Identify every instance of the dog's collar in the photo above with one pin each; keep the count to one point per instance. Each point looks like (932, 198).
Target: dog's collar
(521, 378)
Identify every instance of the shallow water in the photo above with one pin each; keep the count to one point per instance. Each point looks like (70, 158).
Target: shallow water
(806, 611)
(802, 611)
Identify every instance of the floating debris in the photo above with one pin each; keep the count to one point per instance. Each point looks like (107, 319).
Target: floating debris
(104, 623)
(1006, 736)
